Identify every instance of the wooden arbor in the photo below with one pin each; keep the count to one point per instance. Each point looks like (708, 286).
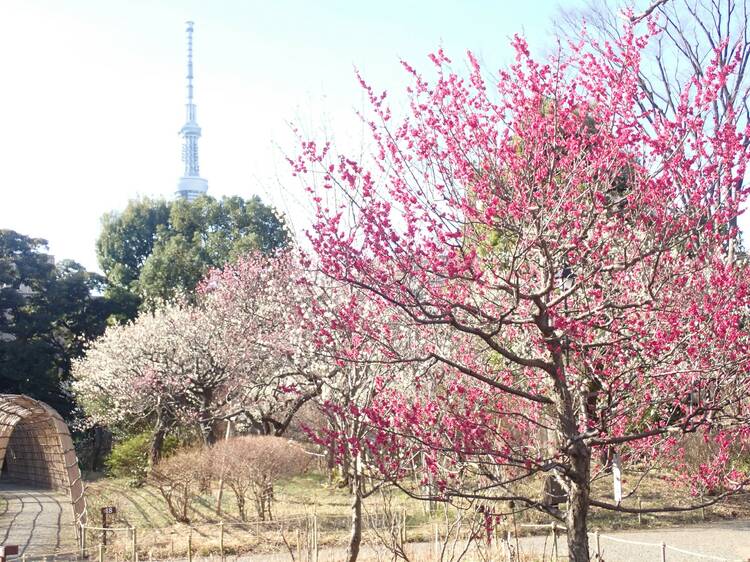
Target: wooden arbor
(36, 450)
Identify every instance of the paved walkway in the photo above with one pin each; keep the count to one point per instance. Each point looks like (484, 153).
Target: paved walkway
(38, 521)
(41, 522)
(728, 540)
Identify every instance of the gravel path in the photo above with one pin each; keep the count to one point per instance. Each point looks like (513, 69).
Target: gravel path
(38, 521)
(728, 540)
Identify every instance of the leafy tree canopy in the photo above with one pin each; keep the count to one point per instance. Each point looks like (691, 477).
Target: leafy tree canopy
(49, 312)
(155, 248)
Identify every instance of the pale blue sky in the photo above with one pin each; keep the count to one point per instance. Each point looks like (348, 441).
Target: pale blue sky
(93, 90)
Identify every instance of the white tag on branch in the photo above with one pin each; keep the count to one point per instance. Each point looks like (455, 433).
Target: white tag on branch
(617, 477)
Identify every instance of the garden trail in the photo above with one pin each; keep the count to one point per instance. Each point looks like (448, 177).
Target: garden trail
(38, 521)
(729, 540)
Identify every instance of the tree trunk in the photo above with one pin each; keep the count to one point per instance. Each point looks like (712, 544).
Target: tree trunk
(355, 539)
(101, 446)
(207, 431)
(578, 502)
(330, 462)
(241, 506)
(157, 443)
(346, 480)
(553, 493)
(207, 422)
(269, 500)
(577, 473)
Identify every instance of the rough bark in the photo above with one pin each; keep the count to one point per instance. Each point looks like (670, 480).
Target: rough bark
(207, 420)
(553, 493)
(100, 447)
(577, 471)
(157, 443)
(346, 481)
(355, 539)
(578, 502)
(241, 506)
(207, 430)
(330, 462)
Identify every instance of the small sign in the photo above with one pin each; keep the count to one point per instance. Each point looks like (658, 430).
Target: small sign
(109, 510)
(10, 550)
(617, 478)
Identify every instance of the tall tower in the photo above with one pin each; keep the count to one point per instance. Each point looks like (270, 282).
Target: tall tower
(191, 184)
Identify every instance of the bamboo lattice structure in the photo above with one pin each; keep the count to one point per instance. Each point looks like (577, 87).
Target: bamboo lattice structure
(36, 450)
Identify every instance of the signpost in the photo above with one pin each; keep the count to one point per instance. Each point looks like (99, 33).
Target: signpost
(8, 550)
(108, 510)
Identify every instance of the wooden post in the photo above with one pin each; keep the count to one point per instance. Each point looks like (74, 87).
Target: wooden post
(190, 545)
(221, 540)
(640, 515)
(299, 544)
(135, 543)
(554, 541)
(315, 538)
(403, 527)
(598, 547)
(83, 540)
(104, 527)
(508, 538)
(512, 506)
(101, 552)
(663, 552)
(437, 542)
(308, 540)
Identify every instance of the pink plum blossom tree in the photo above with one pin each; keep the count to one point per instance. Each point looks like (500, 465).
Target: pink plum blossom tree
(269, 307)
(560, 251)
(291, 319)
(366, 344)
(307, 336)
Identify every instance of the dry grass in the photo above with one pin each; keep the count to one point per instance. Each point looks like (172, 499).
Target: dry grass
(660, 490)
(299, 498)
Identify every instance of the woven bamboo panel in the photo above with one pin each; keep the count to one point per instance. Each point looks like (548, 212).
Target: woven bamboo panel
(36, 449)
(34, 456)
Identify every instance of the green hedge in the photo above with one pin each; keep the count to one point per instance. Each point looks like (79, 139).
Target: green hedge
(129, 458)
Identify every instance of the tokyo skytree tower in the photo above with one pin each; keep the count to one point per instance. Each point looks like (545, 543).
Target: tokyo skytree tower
(191, 185)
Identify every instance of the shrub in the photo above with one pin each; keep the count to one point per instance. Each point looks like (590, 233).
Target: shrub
(178, 478)
(251, 466)
(129, 458)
